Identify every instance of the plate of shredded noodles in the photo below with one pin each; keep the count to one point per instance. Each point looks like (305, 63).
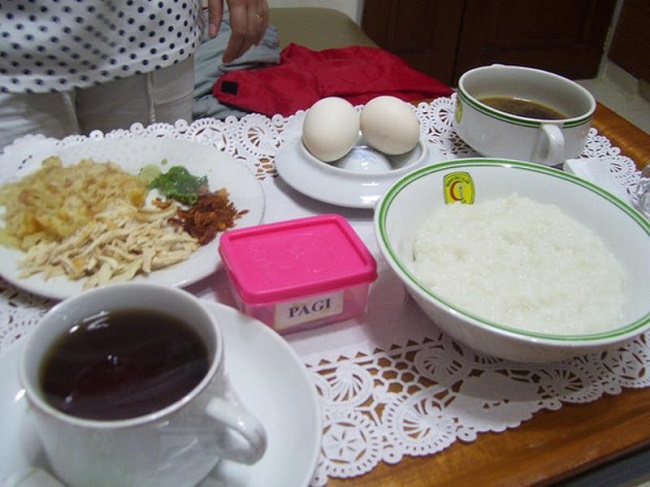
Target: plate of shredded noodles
(124, 209)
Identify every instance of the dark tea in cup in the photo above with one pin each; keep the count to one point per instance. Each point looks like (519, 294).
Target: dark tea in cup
(123, 364)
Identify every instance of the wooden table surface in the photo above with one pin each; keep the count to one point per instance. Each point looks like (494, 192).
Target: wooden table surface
(553, 445)
(633, 141)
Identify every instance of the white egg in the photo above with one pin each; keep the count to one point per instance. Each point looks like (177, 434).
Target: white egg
(390, 125)
(330, 128)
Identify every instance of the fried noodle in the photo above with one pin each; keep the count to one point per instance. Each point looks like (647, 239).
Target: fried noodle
(55, 201)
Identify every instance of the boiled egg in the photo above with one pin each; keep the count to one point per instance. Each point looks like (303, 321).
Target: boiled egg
(390, 125)
(330, 128)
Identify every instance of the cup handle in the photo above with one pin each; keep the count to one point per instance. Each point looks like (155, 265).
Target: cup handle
(246, 439)
(551, 148)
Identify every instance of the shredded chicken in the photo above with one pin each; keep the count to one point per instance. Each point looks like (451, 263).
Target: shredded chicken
(117, 245)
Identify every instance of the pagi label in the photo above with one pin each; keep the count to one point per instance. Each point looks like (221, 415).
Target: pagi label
(294, 313)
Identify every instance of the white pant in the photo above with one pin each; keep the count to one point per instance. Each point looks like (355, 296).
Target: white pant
(165, 95)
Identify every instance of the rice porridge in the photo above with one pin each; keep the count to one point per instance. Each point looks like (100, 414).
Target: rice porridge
(523, 264)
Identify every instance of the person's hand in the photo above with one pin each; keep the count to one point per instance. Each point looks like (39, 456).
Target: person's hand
(248, 22)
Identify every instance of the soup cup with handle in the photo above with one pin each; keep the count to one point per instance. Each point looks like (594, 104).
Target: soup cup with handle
(495, 132)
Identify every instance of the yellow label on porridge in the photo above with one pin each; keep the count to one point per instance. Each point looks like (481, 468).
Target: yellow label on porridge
(458, 188)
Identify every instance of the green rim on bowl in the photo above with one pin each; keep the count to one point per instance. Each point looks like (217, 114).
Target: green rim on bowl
(464, 97)
(404, 182)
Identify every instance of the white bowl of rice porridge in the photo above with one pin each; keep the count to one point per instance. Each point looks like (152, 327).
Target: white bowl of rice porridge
(517, 260)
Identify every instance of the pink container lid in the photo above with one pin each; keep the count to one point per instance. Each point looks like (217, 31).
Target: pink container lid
(303, 257)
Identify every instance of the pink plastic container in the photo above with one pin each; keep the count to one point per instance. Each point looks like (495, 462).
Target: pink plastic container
(300, 273)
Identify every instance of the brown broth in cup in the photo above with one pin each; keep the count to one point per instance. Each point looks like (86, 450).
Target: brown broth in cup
(522, 107)
(123, 364)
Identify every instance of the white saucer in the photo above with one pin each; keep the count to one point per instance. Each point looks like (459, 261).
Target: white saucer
(357, 180)
(268, 377)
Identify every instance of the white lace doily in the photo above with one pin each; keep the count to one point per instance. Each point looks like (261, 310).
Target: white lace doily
(392, 384)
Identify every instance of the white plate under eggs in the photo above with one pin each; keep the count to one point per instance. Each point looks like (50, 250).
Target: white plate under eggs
(357, 180)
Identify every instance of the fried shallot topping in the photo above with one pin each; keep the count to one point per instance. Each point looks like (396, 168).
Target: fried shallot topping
(212, 213)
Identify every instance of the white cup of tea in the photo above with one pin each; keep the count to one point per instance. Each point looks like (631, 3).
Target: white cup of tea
(523, 113)
(126, 386)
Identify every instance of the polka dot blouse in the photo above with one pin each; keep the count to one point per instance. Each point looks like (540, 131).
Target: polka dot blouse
(58, 45)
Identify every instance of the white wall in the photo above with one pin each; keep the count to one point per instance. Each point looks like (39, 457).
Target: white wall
(352, 8)
(608, 42)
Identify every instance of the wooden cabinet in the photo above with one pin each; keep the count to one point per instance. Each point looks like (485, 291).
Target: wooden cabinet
(445, 38)
(424, 33)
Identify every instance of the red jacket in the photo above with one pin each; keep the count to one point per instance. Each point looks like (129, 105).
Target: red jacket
(303, 77)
